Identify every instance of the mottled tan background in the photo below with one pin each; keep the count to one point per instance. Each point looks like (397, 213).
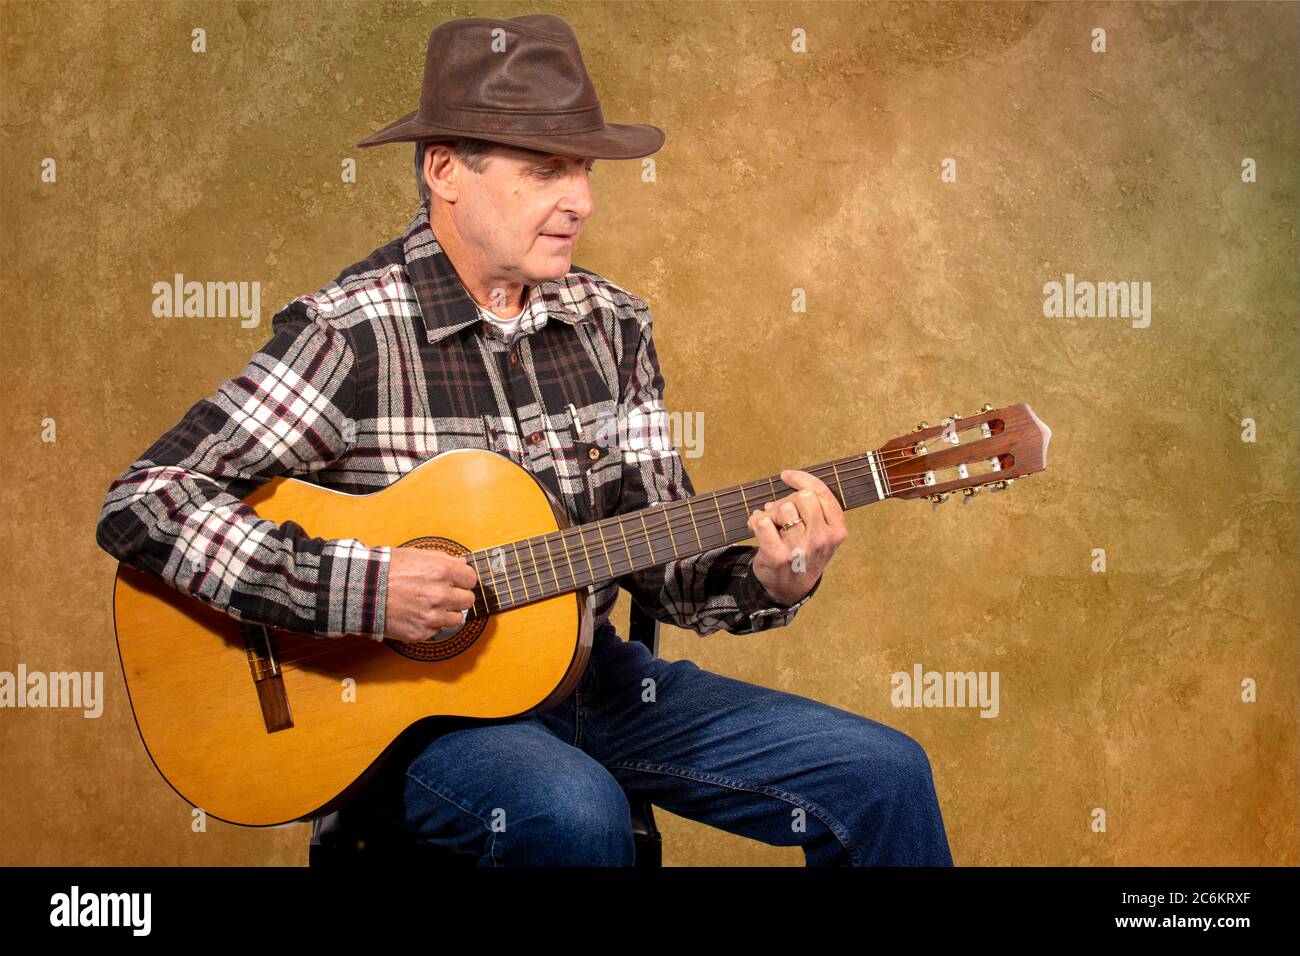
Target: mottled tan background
(817, 171)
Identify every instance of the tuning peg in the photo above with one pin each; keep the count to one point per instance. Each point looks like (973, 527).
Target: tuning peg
(937, 499)
(1004, 484)
(986, 407)
(920, 426)
(955, 417)
(970, 492)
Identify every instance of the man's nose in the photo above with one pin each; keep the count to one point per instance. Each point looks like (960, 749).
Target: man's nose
(578, 199)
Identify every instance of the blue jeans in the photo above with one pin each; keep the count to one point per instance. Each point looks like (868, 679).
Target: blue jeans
(768, 765)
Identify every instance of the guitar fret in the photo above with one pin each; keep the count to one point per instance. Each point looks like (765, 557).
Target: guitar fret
(690, 511)
(604, 547)
(857, 480)
(627, 547)
(836, 472)
(523, 572)
(537, 573)
(473, 557)
(583, 542)
(551, 561)
(668, 526)
(505, 572)
(648, 543)
(522, 582)
(573, 575)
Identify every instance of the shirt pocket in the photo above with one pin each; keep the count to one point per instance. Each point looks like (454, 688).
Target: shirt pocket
(601, 466)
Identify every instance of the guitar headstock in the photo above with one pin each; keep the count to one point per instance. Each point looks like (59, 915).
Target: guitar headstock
(992, 447)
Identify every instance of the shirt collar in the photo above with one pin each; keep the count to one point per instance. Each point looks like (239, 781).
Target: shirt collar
(446, 307)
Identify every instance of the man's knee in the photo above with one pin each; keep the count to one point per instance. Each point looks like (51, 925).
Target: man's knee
(896, 818)
(568, 821)
(895, 763)
(879, 775)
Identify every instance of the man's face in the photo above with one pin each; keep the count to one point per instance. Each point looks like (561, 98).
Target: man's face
(513, 213)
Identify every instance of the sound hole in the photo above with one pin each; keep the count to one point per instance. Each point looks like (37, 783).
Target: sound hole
(458, 639)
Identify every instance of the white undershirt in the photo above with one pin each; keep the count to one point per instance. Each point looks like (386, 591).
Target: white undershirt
(507, 326)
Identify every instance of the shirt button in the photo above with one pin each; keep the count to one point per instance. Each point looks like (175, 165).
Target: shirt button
(534, 438)
(593, 454)
(514, 359)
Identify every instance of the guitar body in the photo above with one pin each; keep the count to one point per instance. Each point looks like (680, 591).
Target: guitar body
(299, 742)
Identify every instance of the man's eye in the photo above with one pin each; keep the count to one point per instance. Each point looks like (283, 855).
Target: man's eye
(550, 172)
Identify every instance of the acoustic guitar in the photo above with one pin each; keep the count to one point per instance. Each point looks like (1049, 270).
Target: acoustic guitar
(260, 726)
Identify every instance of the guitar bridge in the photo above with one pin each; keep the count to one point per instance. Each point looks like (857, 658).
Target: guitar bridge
(268, 680)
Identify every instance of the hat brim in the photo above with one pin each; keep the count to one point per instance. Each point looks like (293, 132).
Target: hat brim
(614, 141)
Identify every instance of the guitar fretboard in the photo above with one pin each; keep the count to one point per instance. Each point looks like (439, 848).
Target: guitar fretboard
(589, 555)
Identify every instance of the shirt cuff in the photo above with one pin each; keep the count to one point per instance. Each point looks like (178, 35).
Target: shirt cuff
(763, 609)
(352, 589)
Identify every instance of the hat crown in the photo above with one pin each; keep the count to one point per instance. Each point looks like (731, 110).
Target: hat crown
(524, 74)
(520, 82)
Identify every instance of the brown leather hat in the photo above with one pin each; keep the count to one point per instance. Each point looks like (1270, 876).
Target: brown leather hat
(519, 81)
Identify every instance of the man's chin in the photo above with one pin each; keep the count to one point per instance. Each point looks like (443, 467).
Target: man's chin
(553, 267)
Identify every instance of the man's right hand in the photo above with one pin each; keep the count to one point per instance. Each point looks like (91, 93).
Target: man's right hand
(427, 591)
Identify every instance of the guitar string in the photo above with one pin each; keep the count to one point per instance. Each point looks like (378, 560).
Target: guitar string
(616, 523)
(570, 584)
(285, 659)
(520, 571)
(712, 539)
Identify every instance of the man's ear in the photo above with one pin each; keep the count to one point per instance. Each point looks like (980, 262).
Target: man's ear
(441, 171)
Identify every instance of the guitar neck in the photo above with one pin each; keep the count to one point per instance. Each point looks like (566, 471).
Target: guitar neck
(592, 554)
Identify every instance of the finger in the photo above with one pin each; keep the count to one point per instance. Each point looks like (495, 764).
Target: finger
(776, 510)
(809, 508)
(805, 505)
(830, 503)
(797, 513)
(769, 539)
(458, 599)
(441, 617)
(786, 512)
(462, 573)
(831, 510)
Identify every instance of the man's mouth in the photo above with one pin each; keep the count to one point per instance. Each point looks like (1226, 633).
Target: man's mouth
(565, 238)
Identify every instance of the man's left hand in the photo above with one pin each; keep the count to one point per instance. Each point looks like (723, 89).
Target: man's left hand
(788, 563)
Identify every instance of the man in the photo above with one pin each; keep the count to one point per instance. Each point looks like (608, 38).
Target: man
(474, 330)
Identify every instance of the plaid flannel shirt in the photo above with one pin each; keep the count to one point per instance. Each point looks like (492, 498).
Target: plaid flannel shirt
(383, 368)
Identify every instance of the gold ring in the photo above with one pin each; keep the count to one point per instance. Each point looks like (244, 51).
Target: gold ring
(790, 524)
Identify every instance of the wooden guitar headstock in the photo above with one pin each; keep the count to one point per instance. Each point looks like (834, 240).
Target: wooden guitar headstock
(992, 447)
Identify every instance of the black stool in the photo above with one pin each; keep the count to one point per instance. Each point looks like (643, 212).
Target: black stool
(348, 837)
